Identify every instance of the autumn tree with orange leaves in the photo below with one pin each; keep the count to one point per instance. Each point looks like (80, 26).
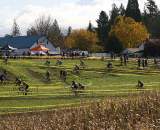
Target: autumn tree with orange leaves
(83, 40)
(129, 32)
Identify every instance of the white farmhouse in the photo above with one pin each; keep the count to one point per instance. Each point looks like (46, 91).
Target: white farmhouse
(25, 43)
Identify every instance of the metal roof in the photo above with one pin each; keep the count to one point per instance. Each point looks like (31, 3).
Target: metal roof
(20, 42)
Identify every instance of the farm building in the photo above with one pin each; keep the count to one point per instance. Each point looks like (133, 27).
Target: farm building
(135, 52)
(25, 43)
(152, 48)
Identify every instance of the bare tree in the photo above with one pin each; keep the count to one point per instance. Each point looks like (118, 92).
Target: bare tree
(46, 26)
(41, 26)
(31, 31)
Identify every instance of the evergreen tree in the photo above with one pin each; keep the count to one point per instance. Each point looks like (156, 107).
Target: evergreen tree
(114, 45)
(151, 8)
(151, 18)
(69, 31)
(90, 27)
(55, 34)
(55, 28)
(113, 14)
(122, 10)
(103, 28)
(133, 10)
(155, 27)
(15, 29)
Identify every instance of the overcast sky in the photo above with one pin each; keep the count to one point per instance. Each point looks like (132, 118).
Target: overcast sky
(75, 13)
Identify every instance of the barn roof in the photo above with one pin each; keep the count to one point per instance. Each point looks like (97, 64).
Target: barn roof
(20, 42)
(152, 41)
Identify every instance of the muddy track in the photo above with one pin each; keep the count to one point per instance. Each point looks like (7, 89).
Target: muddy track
(10, 76)
(36, 75)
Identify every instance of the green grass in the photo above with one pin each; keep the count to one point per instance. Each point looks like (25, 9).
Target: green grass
(99, 83)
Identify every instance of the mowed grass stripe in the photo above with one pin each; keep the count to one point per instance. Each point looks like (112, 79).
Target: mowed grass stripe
(122, 80)
(69, 93)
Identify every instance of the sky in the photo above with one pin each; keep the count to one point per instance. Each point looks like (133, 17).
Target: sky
(75, 13)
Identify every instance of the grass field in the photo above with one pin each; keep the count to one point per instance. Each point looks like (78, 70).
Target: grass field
(100, 83)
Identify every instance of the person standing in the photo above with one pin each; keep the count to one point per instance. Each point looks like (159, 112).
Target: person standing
(112, 55)
(125, 60)
(155, 61)
(139, 62)
(48, 76)
(143, 63)
(146, 62)
(121, 59)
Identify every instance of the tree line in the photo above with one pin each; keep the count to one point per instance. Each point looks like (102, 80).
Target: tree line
(122, 28)
(129, 27)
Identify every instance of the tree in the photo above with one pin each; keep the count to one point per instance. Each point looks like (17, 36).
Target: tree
(55, 34)
(90, 27)
(113, 14)
(151, 18)
(129, 32)
(83, 40)
(154, 27)
(114, 45)
(41, 26)
(103, 28)
(122, 10)
(15, 29)
(69, 31)
(151, 8)
(31, 32)
(133, 10)
(45, 26)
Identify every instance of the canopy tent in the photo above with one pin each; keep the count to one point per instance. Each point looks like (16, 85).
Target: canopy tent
(40, 48)
(38, 53)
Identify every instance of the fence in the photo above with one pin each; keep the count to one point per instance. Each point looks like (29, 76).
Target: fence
(99, 54)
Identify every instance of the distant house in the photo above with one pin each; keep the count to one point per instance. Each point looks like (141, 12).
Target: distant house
(25, 43)
(152, 47)
(135, 52)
